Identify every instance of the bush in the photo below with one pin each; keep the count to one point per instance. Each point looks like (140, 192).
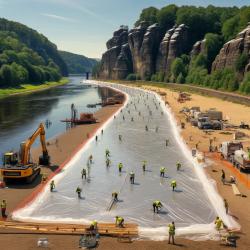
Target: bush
(158, 77)
(132, 77)
(241, 62)
(180, 78)
(245, 85)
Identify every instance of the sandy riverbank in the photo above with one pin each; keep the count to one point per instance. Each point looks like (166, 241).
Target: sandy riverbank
(238, 206)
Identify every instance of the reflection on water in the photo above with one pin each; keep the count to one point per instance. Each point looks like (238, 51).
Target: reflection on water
(21, 114)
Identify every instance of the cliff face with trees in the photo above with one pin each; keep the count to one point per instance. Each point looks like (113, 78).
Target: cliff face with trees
(27, 56)
(206, 46)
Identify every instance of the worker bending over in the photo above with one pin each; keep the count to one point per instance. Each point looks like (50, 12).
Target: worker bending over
(115, 196)
(3, 208)
(171, 233)
(218, 223)
(173, 184)
(52, 186)
(107, 153)
(93, 226)
(132, 177)
(178, 166)
(157, 206)
(79, 191)
(84, 173)
(162, 172)
(119, 221)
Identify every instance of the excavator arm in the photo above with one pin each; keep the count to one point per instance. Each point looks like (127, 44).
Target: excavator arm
(44, 159)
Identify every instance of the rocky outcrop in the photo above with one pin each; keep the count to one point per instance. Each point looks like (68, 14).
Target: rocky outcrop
(198, 47)
(174, 44)
(232, 50)
(116, 61)
(143, 51)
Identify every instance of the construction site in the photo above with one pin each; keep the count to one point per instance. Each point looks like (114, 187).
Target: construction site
(139, 137)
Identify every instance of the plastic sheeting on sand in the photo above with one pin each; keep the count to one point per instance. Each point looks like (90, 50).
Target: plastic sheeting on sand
(191, 206)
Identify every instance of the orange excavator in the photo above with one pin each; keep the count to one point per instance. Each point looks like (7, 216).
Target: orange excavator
(19, 166)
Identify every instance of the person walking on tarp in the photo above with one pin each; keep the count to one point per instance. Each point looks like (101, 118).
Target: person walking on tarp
(120, 166)
(162, 172)
(144, 166)
(218, 223)
(115, 196)
(171, 233)
(84, 173)
(93, 226)
(120, 138)
(157, 206)
(3, 208)
(226, 205)
(79, 191)
(167, 142)
(132, 177)
(107, 153)
(173, 184)
(108, 162)
(119, 221)
(52, 186)
(178, 166)
(91, 159)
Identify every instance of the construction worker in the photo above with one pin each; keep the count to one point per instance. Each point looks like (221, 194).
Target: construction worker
(167, 142)
(171, 232)
(218, 223)
(96, 138)
(173, 184)
(107, 153)
(3, 208)
(156, 206)
(157, 129)
(79, 191)
(84, 173)
(146, 128)
(120, 137)
(226, 205)
(120, 166)
(44, 178)
(91, 159)
(108, 162)
(52, 186)
(115, 196)
(132, 119)
(132, 177)
(162, 172)
(93, 226)
(119, 221)
(144, 166)
(178, 165)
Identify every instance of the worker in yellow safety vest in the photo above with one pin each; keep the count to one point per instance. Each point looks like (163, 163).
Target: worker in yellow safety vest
(156, 206)
(171, 233)
(162, 172)
(218, 223)
(3, 208)
(93, 226)
(173, 184)
(119, 221)
(120, 166)
(52, 186)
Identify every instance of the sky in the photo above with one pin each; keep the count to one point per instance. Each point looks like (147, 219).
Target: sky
(84, 26)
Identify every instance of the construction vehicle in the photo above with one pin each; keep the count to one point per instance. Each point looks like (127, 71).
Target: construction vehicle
(241, 159)
(243, 125)
(228, 149)
(85, 118)
(19, 166)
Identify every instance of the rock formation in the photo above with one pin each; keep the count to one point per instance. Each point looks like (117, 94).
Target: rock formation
(116, 61)
(232, 50)
(199, 47)
(174, 44)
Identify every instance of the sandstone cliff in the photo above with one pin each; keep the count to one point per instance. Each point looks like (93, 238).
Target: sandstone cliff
(232, 50)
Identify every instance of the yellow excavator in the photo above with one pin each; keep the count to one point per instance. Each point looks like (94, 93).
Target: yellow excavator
(19, 166)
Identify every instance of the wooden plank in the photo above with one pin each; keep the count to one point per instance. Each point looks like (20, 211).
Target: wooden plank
(236, 190)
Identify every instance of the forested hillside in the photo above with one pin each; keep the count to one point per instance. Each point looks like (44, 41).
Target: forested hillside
(27, 56)
(78, 64)
(206, 46)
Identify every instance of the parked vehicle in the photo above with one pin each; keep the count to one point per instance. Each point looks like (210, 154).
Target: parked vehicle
(241, 159)
(228, 149)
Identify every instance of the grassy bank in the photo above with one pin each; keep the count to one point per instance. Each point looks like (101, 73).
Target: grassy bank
(27, 88)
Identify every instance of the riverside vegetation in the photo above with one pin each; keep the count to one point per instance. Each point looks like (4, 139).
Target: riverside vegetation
(204, 46)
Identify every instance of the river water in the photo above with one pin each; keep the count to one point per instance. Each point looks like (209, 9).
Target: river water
(193, 206)
(20, 115)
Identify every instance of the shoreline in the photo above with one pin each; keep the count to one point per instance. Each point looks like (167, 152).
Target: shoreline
(36, 88)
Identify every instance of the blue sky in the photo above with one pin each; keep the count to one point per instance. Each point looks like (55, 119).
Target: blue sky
(84, 26)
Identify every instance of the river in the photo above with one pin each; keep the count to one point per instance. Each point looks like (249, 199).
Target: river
(20, 115)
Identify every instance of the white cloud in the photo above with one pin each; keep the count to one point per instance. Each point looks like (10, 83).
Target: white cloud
(62, 18)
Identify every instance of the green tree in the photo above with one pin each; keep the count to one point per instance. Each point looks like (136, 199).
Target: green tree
(177, 68)
(166, 16)
(149, 15)
(241, 62)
